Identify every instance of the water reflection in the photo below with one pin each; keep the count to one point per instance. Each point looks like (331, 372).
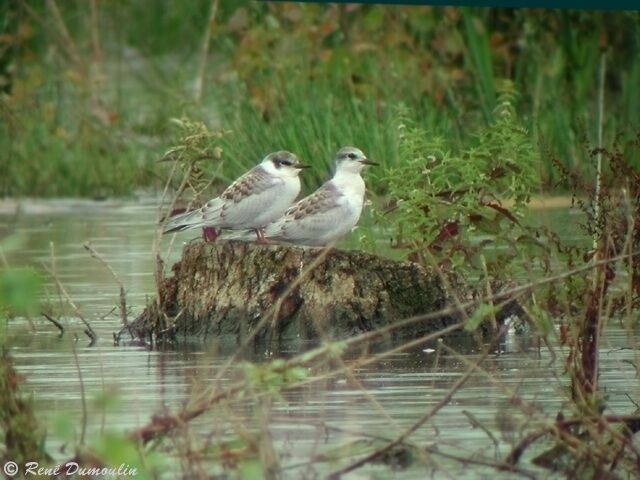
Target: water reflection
(379, 400)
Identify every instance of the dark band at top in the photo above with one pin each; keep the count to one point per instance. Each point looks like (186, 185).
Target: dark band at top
(564, 4)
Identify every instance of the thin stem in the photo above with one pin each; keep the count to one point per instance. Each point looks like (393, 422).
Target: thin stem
(204, 52)
(82, 394)
(67, 41)
(95, 34)
(63, 291)
(123, 299)
(601, 82)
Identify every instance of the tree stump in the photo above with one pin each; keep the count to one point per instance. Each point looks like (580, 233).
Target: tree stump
(289, 292)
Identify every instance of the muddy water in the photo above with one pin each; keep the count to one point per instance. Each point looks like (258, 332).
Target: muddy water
(328, 417)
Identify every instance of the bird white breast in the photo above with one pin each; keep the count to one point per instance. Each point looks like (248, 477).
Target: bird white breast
(352, 188)
(280, 201)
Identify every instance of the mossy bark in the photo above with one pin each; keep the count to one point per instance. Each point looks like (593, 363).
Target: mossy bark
(226, 288)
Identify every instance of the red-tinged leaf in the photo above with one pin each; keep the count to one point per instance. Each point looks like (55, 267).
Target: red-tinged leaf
(451, 229)
(564, 334)
(414, 257)
(497, 173)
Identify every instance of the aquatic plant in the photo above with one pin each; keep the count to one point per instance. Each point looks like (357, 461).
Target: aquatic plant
(452, 216)
(458, 207)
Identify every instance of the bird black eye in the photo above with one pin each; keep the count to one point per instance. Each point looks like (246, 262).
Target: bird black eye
(286, 162)
(352, 156)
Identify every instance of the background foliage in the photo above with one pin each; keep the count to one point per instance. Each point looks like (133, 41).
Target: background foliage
(89, 87)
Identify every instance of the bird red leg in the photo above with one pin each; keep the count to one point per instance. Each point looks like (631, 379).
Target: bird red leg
(260, 235)
(210, 234)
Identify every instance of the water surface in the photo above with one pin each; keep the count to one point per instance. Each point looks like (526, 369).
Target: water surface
(379, 400)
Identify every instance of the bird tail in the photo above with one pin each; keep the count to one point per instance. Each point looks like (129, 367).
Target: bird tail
(183, 221)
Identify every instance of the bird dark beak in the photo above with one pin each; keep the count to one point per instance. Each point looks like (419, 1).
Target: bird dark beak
(366, 161)
(301, 166)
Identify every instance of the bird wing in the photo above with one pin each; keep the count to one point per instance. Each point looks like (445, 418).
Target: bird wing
(183, 221)
(242, 199)
(326, 198)
(245, 198)
(311, 215)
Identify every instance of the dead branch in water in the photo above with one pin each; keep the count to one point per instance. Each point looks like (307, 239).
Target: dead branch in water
(123, 298)
(63, 291)
(54, 321)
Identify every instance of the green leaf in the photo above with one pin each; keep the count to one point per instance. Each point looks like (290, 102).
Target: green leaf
(63, 427)
(458, 259)
(115, 450)
(295, 374)
(374, 19)
(251, 469)
(13, 241)
(20, 290)
(107, 400)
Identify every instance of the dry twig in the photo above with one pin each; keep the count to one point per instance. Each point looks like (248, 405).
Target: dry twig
(54, 321)
(63, 291)
(123, 298)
